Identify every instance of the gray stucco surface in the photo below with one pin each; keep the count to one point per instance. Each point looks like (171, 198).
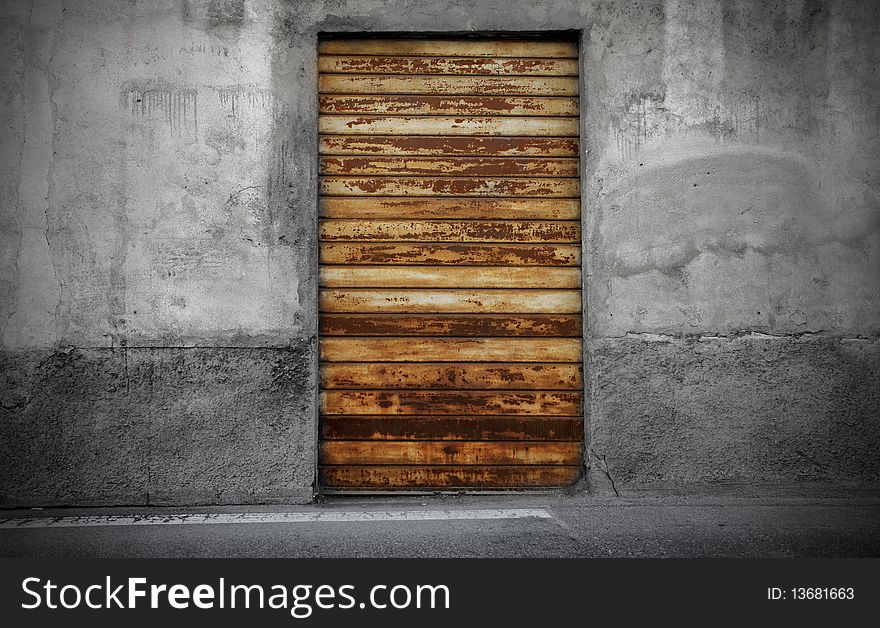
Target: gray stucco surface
(158, 237)
(746, 415)
(157, 426)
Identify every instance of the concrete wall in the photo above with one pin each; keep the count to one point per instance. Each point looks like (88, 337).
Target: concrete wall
(158, 225)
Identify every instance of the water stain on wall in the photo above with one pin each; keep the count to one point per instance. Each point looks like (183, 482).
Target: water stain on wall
(238, 100)
(178, 107)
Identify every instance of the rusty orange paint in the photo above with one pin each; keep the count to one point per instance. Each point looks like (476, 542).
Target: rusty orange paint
(448, 277)
(457, 66)
(403, 349)
(342, 452)
(453, 253)
(450, 300)
(450, 231)
(449, 125)
(449, 186)
(449, 208)
(448, 145)
(457, 325)
(458, 85)
(424, 104)
(469, 428)
(452, 477)
(450, 47)
(464, 166)
(460, 375)
(455, 402)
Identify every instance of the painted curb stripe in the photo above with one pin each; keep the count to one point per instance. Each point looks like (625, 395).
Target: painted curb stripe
(270, 517)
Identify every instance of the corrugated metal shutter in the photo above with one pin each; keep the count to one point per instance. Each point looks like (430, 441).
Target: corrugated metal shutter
(450, 303)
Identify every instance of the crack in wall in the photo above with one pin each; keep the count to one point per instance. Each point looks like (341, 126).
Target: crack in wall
(34, 314)
(13, 302)
(50, 173)
(52, 46)
(602, 465)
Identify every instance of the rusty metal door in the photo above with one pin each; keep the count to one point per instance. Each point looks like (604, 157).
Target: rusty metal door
(450, 283)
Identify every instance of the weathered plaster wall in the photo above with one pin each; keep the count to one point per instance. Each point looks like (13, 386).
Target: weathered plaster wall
(734, 248)
(157, 426)
(157, 224)
(158, 319)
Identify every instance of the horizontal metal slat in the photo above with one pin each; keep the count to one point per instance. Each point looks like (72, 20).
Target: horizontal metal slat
(468, 208)
(454, 325)
(450, 452)
(448, 145)
(449, 186)
(450, 301)
(421, 402)
(461, 166)
(532, 231)
(450, 47)
(460, 66)
(448, 85)
(434, 105)
(453, 253)
(375, 477)
(417, 428)
(405, 349)
(457, 375)
(448, 125)
(446, 277)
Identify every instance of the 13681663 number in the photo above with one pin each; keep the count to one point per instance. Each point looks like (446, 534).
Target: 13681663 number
(822, 593)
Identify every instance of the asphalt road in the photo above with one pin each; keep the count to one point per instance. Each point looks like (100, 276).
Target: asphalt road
(571, 526)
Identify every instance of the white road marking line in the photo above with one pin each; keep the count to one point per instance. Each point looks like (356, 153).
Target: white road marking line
(89, 521)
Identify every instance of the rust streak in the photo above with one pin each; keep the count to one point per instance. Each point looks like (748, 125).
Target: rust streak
(469, 166)
(452, 325)
(451, 402)
(523, 255)
(466, 376)
(485, 66)
(402, 207)
(403, 186)
(450, 105)
(456, 477)
(444, 231)
(450, 452)
(449, 145)
(451, 428)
